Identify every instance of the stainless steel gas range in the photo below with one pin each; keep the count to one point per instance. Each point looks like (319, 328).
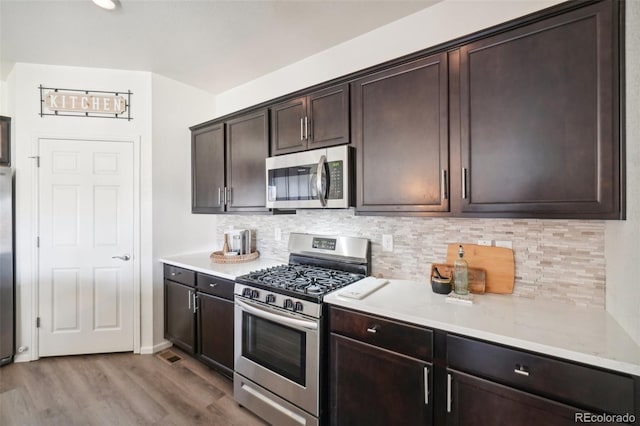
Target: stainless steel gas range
(279, 327)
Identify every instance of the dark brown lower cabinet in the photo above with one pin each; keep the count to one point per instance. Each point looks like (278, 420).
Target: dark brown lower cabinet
(478, 402)
(215, 332)
(198, 316)
(179, 318)
(370, 386)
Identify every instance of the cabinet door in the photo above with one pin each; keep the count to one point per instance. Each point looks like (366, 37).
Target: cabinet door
(372, 386)
(5, 141)
(477, 402)
(179, 319)
(539, 120)
(247, 150)
(328, 117)
(287, 126)
(215, 332)
(207, 170)
(400, 129)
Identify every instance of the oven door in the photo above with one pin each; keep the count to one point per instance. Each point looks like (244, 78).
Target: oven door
(310, 179)
(278, 350)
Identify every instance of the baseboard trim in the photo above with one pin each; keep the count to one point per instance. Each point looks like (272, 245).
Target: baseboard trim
(22, 358)
(147, 350)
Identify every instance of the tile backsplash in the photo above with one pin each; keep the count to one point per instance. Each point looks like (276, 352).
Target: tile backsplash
(559, 260)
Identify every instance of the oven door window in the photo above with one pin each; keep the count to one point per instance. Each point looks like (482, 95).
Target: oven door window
(279, 348)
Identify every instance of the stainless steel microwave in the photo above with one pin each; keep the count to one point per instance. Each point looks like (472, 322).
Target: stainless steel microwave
(319, 178)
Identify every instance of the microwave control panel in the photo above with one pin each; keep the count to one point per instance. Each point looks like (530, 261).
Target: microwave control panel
(336, 177)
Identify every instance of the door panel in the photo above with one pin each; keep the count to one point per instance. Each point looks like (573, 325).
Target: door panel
(287, 134)
(85, 218)
(400, 128)
(247, 150)
(329, 117)
(207, 163)
(538, 130)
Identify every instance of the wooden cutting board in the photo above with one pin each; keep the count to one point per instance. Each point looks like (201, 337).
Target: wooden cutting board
(497, 262)
(477, 276)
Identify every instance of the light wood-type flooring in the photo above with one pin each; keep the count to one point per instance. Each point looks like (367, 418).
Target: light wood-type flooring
(117, 389)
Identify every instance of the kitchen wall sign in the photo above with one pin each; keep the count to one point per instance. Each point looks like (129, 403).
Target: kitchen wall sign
(85, 103)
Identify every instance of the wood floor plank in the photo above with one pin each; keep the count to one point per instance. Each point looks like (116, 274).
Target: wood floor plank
(118, 389)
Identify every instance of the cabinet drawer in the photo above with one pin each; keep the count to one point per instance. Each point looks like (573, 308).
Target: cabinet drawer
(180, 275)
(396, 336)
(560, 380)
(215, 286)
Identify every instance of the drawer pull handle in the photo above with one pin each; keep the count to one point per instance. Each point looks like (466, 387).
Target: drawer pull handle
(522, 370)
(373, 329)
(173, 274)
(212, 285)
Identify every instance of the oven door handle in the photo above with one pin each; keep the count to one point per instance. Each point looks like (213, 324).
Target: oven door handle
(311, 325)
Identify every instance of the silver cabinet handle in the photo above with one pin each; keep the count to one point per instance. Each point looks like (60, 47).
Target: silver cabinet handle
(373, 329)
(464, 182)
(426, 385)
(522, 370)
(448, 393)
(125, 257)
(212, 285)
(219, 195)
(173, 274)
(301, 130)
(306, 128)
(230, 199)
(445, 192)
(195, 302)
(189, 301)
(225, 195)
(321, 180)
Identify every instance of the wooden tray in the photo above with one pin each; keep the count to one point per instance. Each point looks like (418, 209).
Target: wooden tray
(477, 276)
(219, 257)
(498, 263)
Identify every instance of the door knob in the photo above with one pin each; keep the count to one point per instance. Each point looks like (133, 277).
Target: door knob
(124, 257)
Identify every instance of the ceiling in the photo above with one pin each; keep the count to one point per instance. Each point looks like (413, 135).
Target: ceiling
(210, 44)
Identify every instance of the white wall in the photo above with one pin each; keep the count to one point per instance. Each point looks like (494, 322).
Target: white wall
(23, 83)
(4, 99)
(442, 22)
(175, 107)
(622, 239)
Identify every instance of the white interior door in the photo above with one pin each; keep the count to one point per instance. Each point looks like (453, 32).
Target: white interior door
(86, 213)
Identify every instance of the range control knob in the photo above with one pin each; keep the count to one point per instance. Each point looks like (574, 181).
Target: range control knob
(255, 294)
(271, 298)
(288, 304)
(246, 292)
(298, 307)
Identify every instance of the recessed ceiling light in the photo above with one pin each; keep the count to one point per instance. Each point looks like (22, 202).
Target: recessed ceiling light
(105, 4)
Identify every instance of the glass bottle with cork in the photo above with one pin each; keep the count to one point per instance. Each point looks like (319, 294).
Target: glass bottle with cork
(460, 274)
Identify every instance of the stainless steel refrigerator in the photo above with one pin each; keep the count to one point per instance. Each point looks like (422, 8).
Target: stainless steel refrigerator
(7, 268)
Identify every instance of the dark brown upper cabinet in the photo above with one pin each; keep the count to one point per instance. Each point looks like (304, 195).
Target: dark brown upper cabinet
(5, 141)
(317, 120)
(247, 149)
(539, 119)
(400, 130)
(228, 172)
(207, 169)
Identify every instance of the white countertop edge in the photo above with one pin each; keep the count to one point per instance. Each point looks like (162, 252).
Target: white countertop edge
(592, 360)
(200, 262)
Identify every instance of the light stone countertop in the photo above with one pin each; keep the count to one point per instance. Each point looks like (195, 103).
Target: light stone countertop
(586, 335)
(200, 262)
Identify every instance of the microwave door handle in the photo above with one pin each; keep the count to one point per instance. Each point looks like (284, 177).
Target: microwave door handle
(321, 177)
(312, 325)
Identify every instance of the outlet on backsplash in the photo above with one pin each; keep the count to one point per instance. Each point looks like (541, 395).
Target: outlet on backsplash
(277, 234)
(387, 242)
